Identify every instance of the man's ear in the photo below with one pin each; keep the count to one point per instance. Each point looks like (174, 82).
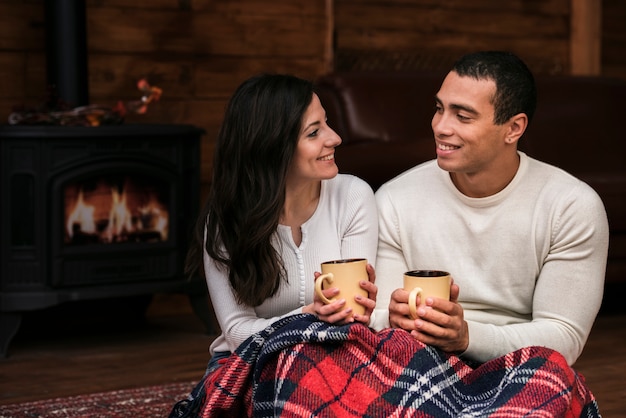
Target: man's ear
(517, 127)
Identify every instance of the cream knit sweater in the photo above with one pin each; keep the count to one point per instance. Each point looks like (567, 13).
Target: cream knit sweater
(529, 261)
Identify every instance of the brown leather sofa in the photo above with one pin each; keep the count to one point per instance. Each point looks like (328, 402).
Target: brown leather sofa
(580, 126)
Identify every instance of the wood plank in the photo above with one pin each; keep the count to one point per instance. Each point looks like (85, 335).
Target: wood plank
(102, 356)
(443, 22)
(35, 73)
(205, 114)
(602, 360)
(554, 7)
(271, 7)
(614, 70)
(299, 10)
(182, 76)
(230, 35)
(22, 27)
(220, 76)
(117, 75)
(140, 4)
(538, 31)
(7, 106)
(329, 36)
(12, 75)
(614, 38)
(23, 77)
(22, 2)
(585, 42)
(392, 40)
(614, 57)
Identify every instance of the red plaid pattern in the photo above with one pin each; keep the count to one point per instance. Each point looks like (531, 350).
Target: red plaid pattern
(300, 367)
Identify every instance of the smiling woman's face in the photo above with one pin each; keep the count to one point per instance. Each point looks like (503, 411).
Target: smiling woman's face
(314, 158)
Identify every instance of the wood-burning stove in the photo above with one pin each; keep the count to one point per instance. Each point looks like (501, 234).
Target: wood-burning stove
(93, 212)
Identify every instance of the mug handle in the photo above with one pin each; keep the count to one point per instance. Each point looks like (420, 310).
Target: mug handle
(413, 301)
(328, 277)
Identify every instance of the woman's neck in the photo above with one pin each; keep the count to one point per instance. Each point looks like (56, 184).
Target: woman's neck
(300, 203)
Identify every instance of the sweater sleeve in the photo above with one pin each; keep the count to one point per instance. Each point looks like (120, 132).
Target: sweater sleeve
(360, 238)
(360, 222)
(391, 263)
(236, 320)
(568, 290)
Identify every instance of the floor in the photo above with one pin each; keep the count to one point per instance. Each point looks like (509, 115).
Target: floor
(603, 363)
(64, 352)
(70, 353)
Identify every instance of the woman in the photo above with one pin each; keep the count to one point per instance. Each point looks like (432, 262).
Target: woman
(277, 209)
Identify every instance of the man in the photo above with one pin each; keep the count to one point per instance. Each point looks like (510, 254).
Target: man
(525, 242)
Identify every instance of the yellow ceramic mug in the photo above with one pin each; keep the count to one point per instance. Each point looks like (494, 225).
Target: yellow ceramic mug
(345, 275)
(426, 283)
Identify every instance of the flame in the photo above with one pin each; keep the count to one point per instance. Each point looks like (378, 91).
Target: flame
(153, 218)
(119, 216)
(112, 214)
(82, 216)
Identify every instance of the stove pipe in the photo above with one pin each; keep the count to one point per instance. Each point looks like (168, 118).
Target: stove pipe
(66, 50)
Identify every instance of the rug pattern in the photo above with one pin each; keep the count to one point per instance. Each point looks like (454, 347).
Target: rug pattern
(150, 401)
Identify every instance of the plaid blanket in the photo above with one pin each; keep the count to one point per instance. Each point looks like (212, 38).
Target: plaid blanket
(301, 367)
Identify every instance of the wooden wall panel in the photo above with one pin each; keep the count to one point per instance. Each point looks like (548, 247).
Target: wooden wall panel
(585, 34)
(197, 51)
(553, 36)
(218, 77)
(13, 79)
(22, 25)
(423, 33)
(614, 38)
(22, 61)
(409, 18)
(201, 32)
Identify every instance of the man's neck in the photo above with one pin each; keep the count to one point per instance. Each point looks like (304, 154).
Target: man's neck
(486, 183)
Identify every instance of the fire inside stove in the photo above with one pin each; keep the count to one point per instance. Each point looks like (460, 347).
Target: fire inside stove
(116, 209)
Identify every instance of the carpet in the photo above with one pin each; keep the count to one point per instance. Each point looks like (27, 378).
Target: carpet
(150, 401)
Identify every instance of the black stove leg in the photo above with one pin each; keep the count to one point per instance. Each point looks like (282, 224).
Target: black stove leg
(9, 324)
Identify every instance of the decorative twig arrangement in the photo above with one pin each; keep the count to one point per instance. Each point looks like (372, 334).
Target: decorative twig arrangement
(56, 112)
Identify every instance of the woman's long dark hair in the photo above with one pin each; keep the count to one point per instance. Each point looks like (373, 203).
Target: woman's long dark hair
(255, 146)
